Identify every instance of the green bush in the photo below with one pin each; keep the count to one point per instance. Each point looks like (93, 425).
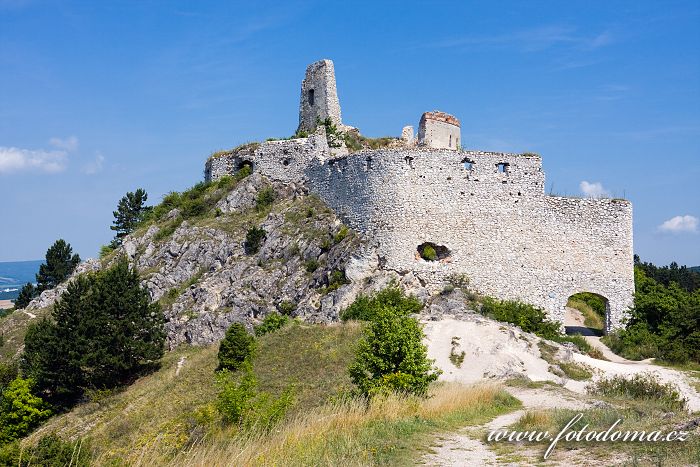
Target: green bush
(391, 356)
(641, 386)
(106, 250)
(342, 233)
(271, 323)
(287, 308)
(20, 410)
(336, 280)
(664, 320)
(254, 239)
(524, 315)
(311, 265)
(428, 253)
(365, 307)
(265, 198)
(240, 402)
(236, 346)
(50, 451)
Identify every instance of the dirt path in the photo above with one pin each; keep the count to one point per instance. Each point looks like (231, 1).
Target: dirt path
(465, 447)
(497, 351)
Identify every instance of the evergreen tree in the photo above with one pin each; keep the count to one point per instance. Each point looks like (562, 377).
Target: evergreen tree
(104, 333)
(130, 211)
(26, 294)
(236, 346)
(60, 263)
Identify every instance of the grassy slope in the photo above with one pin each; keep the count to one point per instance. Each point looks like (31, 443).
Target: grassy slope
(13, 327)
(161, 413)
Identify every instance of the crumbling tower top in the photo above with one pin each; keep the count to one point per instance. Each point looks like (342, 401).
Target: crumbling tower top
(439, 130)
(319, 97)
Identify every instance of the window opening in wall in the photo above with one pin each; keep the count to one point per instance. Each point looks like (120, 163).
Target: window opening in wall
(311, 97)
(246, 166)
(409, 160)
(368, 163)
(286, 161)
(467, 163)
(430, 251)
(457, 142)
(450, 145)
(503, 167)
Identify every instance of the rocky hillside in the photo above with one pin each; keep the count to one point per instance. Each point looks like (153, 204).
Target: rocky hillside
(193, 260)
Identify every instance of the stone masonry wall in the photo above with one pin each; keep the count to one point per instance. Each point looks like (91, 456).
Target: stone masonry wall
(283, 160)
(488, 209)
(503, 232)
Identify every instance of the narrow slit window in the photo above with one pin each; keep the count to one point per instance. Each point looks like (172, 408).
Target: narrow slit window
(503, 167)
(450, 145)
(311, 97)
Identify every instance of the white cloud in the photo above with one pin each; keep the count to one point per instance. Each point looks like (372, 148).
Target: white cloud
(680, 224)
(68, 144)
(594, 190)
(16, 159)
(95, 166)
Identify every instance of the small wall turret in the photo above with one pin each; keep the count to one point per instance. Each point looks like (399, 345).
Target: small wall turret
(439, 130)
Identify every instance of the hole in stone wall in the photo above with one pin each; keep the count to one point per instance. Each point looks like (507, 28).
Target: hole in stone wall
(244, 164)
(286, 161)
(311, 97)
(586, 314)
(430, 251)
(368, 163)
(503, 167)
(450, 145)
(467, 163)
(409, 160)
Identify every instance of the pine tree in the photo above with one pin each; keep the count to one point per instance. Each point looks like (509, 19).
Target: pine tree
(60, 263)
(236, 346)
(104, 332)
(130, 211)
(26, 295)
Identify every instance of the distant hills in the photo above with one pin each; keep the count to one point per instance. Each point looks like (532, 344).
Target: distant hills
(695, 268)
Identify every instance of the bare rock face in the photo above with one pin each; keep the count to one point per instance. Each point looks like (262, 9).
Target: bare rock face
(49, 297)
(200, 273)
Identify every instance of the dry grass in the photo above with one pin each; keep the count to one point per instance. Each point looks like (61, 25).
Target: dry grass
(350, 432)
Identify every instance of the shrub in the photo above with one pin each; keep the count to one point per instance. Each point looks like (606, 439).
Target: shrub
(240, 402)
(641, 386)
(428, 253)
(254, 239)
(265, 198)
(365, 307)
(20, 410)
(286, 307)
(524, 315)
(106, 250)
(336, 280)
(50, 451)
(236, 346)
(342, 233)
(271, 323)
(392, 357)
(311, 265)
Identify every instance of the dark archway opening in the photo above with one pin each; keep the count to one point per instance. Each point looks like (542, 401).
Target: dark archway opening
(244, 167)
(586, 314)
(432, 252)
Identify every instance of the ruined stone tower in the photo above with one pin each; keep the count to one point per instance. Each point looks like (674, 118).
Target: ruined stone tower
(439, 130)
(319, 98)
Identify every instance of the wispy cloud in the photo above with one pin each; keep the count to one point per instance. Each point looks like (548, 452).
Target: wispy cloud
(680, 224)
(68, 144)
(532, 40)
(594, 190)
(17, 160)
(94, 166)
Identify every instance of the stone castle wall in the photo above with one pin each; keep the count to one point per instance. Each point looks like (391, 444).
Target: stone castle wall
(502, 231)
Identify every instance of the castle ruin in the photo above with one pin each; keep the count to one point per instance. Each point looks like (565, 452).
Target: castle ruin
(485, 214)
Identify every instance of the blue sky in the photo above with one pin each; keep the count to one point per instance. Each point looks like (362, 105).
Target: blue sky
(99, 98)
